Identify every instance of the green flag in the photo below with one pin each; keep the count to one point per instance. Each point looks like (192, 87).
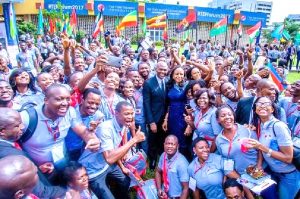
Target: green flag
(40, 30)
(144, 27)
(219, 27)
(117, 22)
(297, 39)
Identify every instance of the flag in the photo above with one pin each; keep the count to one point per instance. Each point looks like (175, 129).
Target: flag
(240, 30)
(188, 22)
(237, 17)
(117, 22)
(144, 27)
(52, 26)
(165, 34)
(285, 35)
(219, 28)
(297, 38)
(12, 22)
(130, 20)
(275, 77)
(157, 22)
(277, 32)
(99, 24)
(40, 29)
(254, 31)
(73, 21)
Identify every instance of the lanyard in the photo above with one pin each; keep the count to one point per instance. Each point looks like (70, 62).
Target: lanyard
(229, 148)
(110, 105)
(198, 168)
(200, 117)
(165, 171)
(137, 97)
(123, 135)
(54, 131)
(290, 113)
(258, 130)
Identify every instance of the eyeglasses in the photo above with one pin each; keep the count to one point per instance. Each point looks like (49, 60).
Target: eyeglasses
(263, 104)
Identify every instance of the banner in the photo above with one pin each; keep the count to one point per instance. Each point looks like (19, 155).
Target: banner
(176, 12)
(67, 6)
(116, 8)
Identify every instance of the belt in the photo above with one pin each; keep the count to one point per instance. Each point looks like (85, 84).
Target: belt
(287, 172)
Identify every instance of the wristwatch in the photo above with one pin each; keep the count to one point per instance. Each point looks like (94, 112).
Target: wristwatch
(269, 153)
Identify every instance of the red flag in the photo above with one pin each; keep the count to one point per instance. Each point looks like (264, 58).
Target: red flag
(165, 34)
(188, 22)
(52, 28)
(73, 21)
(99, 27)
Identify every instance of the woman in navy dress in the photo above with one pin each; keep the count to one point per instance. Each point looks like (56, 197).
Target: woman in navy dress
(174, 120)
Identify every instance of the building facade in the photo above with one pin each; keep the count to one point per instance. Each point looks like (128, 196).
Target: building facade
(245, 5)
(294, 17)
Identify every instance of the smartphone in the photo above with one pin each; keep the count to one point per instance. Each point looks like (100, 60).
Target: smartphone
(114, 61)
(187, 106)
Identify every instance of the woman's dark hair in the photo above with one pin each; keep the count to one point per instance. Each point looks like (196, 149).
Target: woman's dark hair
(171, 81)
(221, 108)
(189, 73)
(256, 117)
(70, 170)
(201, 83)
(198, 139)
(48, 68)
(210, 94)
(17, 72)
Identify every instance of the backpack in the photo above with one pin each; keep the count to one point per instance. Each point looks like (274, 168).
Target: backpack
(33, 120)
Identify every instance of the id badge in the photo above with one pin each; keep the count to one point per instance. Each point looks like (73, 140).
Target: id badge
(228, 165)
(192, 184)
(57, 152)
(138, 111)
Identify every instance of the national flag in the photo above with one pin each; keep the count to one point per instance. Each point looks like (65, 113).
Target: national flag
(275, 77)
(12, 22)
(285, 35)
(157, 22)
(240, 30)
(40, 29)
(277, 33)
(237, 17)
(130, 20)
(219, 28)
(99, 24)
(297, 38)
(254, 31)
(144, 26)
(52, 26)
(189, 22)
(117, 22)
(165, 34)
(73, 21)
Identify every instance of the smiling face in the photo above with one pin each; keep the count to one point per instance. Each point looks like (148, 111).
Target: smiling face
(170, 145)
(57, 101)
(178, 75)
(13, 127)
(161, 70)
(228, 90)
(264, 107)
(226, 118)
(196, 74)
(201, 149)
(90, 104)
(22, 79)
(203, 101)
(6, 92)
(126, 116)
(80, 180)
(44, 80)
(128, 89)
(112, 81)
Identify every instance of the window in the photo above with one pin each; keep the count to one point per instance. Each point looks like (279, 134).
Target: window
(156, 34)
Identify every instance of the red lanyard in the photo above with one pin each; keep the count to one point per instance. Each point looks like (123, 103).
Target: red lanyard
(199, 167)
(137, 96)
(110, 105)
(199, 119)
(54, 131)
(123, 135)
(166, 167)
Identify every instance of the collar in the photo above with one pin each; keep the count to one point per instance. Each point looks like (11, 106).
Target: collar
(6, 141)
(235, 135)
(268, 123)
(173, 158)
(116, 125)
(42, 116)
(158, 79)
(27, 93)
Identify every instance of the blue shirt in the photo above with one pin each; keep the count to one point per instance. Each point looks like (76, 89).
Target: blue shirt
(139, 112)
(241, 159)
(108, 133)
(107, 107)
(73, 141)
(209, 178)
(177, 172)
(281, 136)
(290, 108)
(206, 125)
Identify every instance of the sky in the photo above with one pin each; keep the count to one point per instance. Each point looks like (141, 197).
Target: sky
(281, 8)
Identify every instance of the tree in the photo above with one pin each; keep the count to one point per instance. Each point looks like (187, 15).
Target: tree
(292, 27)
(26, 27)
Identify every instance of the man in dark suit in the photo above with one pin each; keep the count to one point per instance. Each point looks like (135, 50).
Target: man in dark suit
(154, 97)
(10, 131)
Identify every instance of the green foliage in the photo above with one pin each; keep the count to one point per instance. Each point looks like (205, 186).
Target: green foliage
(159, 43)
(134, 38)
(292, 27)
(79, 35)
(56, 13)
(267, 35)
(26, 27)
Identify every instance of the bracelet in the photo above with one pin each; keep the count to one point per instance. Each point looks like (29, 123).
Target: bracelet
(269, 153)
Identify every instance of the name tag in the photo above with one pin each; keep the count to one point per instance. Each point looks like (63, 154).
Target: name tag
(228, 165)
(192, 184)
(57, 152)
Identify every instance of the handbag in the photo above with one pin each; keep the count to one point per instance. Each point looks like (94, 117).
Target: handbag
(147, 190)
(136, 161)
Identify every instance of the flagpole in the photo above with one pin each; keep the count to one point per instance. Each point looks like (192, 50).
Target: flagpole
(137, 26)
(226, 31)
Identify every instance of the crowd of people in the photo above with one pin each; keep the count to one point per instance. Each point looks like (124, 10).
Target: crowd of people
(71, 113)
